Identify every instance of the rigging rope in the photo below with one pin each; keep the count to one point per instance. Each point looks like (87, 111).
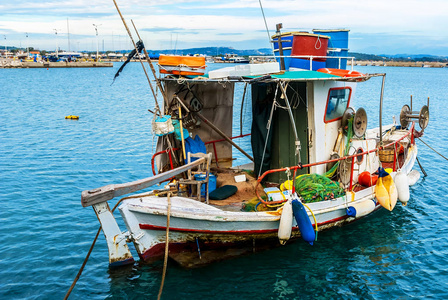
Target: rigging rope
(267, 29)
(268, 126)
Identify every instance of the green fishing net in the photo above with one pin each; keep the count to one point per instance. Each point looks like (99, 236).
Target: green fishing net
(315, 188)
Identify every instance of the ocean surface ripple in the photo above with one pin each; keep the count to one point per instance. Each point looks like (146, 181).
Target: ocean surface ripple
(47, 161)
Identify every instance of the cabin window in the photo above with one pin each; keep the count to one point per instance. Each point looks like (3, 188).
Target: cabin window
(337, 103)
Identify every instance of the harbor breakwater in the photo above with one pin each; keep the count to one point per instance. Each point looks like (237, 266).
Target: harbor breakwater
(10, 63)
(418, 64)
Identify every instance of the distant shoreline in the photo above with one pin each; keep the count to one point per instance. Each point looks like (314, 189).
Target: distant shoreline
(417, 64)
(17, 64)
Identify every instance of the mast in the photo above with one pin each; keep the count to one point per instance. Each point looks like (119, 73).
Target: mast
(68, 36)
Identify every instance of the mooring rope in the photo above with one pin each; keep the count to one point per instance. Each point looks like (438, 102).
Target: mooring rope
(432, 149)
(82, 266)
(165, 261)
(88, 253)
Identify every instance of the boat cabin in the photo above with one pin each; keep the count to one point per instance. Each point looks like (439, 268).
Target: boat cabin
(296, 119)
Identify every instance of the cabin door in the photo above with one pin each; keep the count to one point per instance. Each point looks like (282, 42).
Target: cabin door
(280, 149)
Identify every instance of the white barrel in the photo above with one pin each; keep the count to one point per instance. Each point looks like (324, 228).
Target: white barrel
(361, 209)
(413, 177)
(285, 227)
(401, 182)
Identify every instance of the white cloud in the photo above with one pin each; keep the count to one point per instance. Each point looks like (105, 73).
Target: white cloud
(209, 22)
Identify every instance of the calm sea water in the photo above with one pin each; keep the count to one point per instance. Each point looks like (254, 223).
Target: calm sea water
(46, 161)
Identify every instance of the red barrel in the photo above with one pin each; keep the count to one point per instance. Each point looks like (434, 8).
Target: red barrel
(305, 43)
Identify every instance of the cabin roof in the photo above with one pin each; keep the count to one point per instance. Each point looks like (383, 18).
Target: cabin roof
(282, 76)
(300, 75)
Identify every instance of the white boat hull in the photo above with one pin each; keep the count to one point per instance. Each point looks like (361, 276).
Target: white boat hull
(192, 222)
(195, 225)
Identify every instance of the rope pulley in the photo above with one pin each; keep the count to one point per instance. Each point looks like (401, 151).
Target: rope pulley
(407, 115)
(359, 121)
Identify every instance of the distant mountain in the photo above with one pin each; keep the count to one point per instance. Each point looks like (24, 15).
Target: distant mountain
(364, 56)
(209, 51)
(221, 51)
(419, 57)
(218, 51)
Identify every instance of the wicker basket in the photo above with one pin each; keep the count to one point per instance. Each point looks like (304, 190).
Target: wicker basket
(386, 155)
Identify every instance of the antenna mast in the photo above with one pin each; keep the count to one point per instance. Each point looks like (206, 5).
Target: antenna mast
(68, 36)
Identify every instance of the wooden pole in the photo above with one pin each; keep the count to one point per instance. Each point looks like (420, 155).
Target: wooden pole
(135, 46)
(216, 129)
(381, 110)
(111, 191)
(159, 85)
(182, 133)
(280, 47)
(210, 124)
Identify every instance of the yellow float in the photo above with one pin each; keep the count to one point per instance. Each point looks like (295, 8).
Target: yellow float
(385, 190)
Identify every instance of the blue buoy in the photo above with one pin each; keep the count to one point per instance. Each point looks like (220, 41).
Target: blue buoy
(303, 221)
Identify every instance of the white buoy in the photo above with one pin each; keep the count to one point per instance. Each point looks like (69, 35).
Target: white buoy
(393, 194)
(413, 177)
(361, 209)
(285, 227)
(401, 182)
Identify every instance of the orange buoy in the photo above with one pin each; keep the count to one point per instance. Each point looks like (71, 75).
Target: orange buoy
(366, 179)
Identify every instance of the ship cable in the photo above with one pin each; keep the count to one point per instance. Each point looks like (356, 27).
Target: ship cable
(165, 261)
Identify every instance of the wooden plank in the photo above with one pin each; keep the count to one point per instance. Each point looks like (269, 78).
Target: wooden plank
(111, 191)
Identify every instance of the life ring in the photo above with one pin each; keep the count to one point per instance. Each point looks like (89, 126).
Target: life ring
(341, 72)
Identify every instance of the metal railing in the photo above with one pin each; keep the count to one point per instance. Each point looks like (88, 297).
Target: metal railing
(309, 57)
(351, 157)
(170, 151)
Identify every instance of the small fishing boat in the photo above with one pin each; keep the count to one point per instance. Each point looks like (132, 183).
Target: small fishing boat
(311, 164)
(233, 58)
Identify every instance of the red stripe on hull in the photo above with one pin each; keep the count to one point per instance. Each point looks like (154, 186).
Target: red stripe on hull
(261, 231)
(156, 252)
(155, 227)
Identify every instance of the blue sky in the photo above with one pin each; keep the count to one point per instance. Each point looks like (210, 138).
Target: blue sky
(376, 26)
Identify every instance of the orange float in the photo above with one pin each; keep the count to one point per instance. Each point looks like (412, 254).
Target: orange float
(366, 179)
(341, 72)
(182, 65)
